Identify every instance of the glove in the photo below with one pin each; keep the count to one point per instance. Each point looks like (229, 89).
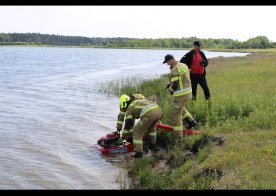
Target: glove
(117, 132)
(168, 86)
(121, 141)
(171, 93)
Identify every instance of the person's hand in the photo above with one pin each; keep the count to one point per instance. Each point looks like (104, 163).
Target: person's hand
(121, 141)
(203, 63)
(125, 133)
(117, 132)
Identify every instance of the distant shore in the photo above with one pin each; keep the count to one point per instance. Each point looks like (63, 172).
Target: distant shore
(253, 50)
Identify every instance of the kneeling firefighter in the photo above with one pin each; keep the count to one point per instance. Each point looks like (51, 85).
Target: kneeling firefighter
(125, 100)
(150, 114)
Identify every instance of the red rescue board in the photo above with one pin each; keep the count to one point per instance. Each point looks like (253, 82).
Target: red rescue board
(112, 138)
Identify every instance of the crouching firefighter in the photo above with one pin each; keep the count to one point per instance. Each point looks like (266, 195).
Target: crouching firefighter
(180, 87)
(125, 100)
(150, 114)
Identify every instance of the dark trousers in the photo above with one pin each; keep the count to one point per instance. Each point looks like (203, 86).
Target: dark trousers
(201, 80)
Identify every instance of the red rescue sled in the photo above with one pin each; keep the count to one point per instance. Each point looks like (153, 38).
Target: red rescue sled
(109, 144)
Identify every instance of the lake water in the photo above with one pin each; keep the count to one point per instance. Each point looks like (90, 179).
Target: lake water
(50, 115)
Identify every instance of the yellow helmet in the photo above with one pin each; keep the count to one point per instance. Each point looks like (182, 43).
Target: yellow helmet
(123, 101)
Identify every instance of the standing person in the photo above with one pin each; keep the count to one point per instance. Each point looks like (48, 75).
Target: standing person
(197, 61)
(150, 114)
(180, 87)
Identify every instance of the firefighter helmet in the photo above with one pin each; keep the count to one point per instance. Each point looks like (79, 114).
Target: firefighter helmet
(124, 99)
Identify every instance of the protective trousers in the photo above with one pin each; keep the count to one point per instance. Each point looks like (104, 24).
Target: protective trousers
(146, 125)
(179, 112)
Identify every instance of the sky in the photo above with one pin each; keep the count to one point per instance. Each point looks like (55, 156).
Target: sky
(234, 22)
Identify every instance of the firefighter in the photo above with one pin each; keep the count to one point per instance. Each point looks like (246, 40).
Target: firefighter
(125, 100)
(180, 87)
(150, 114)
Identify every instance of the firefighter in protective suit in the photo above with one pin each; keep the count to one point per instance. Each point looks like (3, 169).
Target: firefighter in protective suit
(180, 88)
(125, 100)
(150, 114)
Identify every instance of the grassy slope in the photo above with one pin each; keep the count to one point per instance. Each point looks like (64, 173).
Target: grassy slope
(252, 50)
(245, 85)
(243, 112)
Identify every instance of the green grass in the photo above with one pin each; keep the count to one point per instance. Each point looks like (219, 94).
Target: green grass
(243, 112)
(249, 50)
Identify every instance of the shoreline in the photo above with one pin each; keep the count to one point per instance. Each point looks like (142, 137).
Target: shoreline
(268, 50)
(237, 121)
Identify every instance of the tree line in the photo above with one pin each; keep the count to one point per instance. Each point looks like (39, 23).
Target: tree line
(61, 40)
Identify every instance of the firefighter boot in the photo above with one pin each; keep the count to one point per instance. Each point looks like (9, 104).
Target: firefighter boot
(153, 148)
(137, 155)
(145, 149)
(192, 124)
(186, 122)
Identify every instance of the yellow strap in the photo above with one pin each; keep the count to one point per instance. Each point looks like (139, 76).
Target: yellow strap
(129, 116)
(137, 141)
(120, 122)
(146, 109)
(180, 82)
(182, 92)
(125, 131)
(174, 79)
(186, 114)
(133, 103)
(183, 70)
(128, 131)
(178, 128)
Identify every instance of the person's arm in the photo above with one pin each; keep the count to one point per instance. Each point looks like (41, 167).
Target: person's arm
(205, 61)
(129, 123)
(187, 59)
(121, 118)
(174, 85)
(184, 59)
(174, 81)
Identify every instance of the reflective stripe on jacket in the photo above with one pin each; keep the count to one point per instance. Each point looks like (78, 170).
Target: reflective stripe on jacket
(180, 74)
